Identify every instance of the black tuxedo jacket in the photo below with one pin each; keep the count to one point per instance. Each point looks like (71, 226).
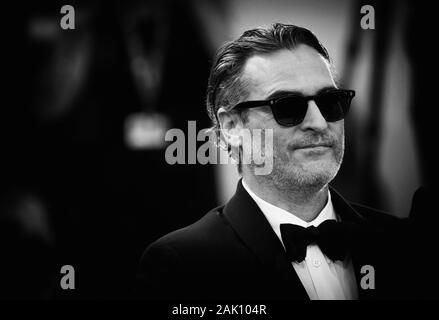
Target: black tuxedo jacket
(233, 253)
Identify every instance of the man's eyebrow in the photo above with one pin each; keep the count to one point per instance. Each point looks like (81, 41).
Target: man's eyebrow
(281, 93)
(326, 89)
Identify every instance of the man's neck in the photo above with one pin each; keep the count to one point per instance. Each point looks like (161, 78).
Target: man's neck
(304, 204)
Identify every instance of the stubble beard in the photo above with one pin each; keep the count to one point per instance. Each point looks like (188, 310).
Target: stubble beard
(303, 178)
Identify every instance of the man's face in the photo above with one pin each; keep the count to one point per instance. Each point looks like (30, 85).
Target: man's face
(298, 160)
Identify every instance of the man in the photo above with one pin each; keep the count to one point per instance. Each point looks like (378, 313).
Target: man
(285, 234)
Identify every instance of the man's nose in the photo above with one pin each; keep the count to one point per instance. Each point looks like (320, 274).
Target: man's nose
(314, 119)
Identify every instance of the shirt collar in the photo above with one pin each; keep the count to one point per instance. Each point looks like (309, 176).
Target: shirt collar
(277, 216)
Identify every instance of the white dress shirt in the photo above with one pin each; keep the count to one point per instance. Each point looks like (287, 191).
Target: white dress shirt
(322, 278)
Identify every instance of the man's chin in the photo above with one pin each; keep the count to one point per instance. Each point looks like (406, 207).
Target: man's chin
(315, 173)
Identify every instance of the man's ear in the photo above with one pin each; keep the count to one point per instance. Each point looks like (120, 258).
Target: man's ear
(231, 125)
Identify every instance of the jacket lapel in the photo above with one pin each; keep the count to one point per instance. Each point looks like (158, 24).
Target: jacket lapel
(252, 227)
(363, 241)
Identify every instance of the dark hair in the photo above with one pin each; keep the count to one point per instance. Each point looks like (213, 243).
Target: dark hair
(225, 88)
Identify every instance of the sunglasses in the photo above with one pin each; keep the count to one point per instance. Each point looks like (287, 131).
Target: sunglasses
(290, 110)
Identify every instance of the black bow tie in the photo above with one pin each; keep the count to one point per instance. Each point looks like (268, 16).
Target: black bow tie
(332, 237)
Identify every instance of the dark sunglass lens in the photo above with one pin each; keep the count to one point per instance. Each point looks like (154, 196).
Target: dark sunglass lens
(290, 111)
(334, 106)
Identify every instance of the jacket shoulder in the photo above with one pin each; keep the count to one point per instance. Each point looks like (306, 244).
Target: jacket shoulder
(205, 240)
(376, 216)
(201, 230)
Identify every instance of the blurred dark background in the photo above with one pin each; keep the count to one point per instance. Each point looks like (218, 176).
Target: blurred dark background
(83, 179)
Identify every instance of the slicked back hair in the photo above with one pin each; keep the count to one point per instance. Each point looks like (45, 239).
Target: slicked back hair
(225, 86)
